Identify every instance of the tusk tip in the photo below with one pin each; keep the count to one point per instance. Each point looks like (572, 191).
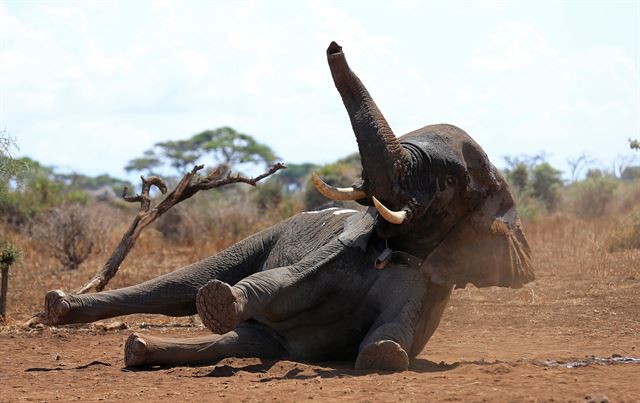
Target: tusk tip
(394, 217)
(333, 193)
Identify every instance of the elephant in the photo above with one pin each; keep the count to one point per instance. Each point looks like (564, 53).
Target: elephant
(367, 286)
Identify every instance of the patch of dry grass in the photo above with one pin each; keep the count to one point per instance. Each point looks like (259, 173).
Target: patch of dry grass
(626, 235)
(577, 278)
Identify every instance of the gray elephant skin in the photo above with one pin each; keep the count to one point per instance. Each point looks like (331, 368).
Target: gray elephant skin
(366, 286)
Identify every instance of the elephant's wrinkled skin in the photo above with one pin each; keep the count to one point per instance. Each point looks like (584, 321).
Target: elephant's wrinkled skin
(308, 288)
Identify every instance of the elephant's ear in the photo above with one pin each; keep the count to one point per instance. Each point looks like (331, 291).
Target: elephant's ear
(358, 229)
(488, 247)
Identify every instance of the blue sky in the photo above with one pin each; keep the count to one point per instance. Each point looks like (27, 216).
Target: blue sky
(87, 86)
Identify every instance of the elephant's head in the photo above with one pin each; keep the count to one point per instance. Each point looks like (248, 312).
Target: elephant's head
(437, 195)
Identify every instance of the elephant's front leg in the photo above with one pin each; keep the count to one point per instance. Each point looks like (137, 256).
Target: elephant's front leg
(278, 294)
(414, 309)
(248, 340)
(222, 306)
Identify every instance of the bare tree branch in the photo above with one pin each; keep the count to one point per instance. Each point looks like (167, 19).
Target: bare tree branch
(189, 185)
(578, 163)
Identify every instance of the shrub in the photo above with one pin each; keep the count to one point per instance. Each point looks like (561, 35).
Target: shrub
(226, 220)
(626, 235)
(9, 255)
(625, 198)
(34, 191)
(545, 183)
(342, 173)
(529, 208)
(535, 184)
(71, 232)
(177, 226)
(630, 173)
(589, 198)
(269, 194)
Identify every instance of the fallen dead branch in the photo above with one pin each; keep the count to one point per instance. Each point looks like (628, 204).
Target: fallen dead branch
(190, 184)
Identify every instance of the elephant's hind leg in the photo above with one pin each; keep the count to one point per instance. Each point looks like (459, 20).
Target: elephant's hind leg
(248, 340)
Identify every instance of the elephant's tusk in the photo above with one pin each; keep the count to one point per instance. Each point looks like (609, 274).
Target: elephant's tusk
(394, 217)
(334, 193)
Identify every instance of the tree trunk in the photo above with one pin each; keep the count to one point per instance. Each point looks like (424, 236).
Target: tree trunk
(3, 292)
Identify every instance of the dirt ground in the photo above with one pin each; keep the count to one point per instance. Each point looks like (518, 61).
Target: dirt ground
(572, 335)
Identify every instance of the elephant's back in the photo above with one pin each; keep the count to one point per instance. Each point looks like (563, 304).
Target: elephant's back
(306, 233)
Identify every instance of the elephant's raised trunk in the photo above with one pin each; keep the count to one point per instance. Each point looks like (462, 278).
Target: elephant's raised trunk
(381, 153)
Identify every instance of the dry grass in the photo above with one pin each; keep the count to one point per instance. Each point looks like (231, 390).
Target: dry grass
(153, 254)
(626, 235)
(575, 272)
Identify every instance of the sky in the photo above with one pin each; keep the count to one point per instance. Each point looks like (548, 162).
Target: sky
(87, 86)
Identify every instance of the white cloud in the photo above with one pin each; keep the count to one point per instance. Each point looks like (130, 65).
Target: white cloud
(562, 102)
(511, 46)
(336, 23)
(195, 62)
(100, 62)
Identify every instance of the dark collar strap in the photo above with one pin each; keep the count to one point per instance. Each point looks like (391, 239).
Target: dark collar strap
(398, 258)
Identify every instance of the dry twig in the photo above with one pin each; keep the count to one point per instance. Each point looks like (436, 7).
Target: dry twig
(189, 185)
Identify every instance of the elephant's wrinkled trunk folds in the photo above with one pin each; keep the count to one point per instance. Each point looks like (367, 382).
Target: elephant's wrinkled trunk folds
(382, 156)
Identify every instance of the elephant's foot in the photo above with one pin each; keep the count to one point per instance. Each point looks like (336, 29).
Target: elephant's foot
(57, 306)
(383, 355)
(153, 350)
(219, 306)
(135, 351)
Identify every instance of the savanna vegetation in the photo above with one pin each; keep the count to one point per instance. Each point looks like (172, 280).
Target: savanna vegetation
(68, 219)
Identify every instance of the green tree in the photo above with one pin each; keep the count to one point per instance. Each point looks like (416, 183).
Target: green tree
(518, 176)
(631, 173)
(231, 147)
(223, 145)
(10, 168)
(37, 189)
(181, 154)
(148, 163)
(634, 144)
(85, 182)
(535, 184)
(545, 183)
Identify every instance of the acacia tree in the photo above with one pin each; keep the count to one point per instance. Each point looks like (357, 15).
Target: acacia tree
(9, 167)
(227, 146)
(223, 145)
(181, 154)
(148, 163)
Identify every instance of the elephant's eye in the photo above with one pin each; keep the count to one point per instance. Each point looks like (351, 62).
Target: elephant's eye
(451, 181)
